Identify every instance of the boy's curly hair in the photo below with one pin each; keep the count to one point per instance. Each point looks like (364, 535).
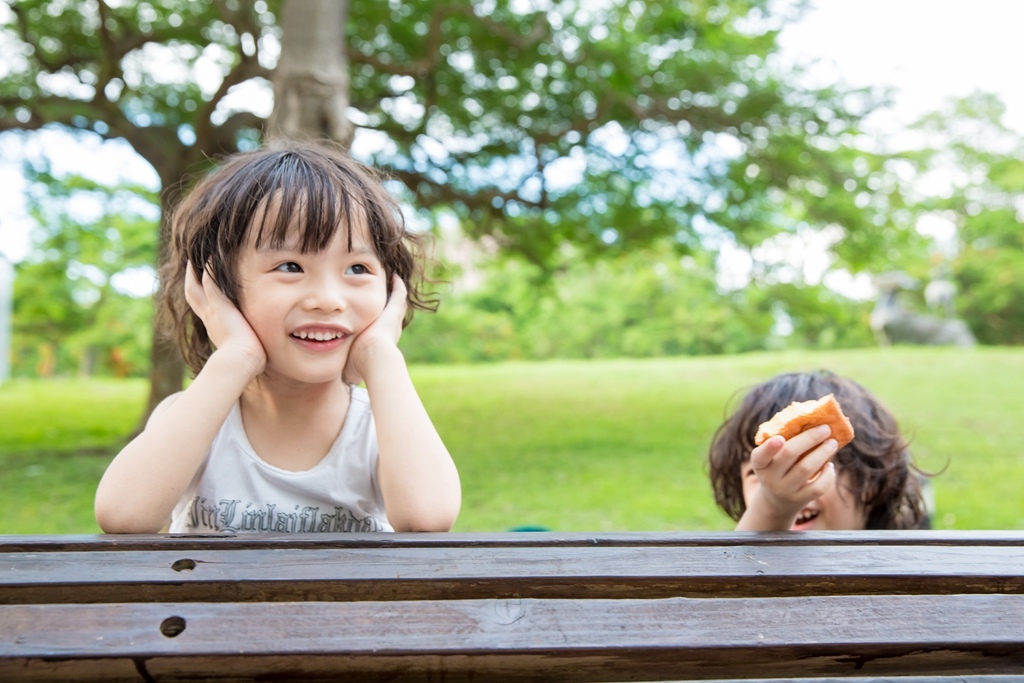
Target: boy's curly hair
(877, 462)
(261, 197)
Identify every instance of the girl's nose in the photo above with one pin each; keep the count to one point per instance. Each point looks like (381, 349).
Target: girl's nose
(325, 295)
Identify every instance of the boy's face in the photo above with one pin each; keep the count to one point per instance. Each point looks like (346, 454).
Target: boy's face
(836, 510)
(307, 309)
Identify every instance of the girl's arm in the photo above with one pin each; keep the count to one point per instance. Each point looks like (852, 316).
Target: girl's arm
(790, 475)
(418, 478)
(146, 479)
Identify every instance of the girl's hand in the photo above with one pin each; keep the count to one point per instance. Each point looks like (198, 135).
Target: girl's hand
(227, 327)
(793, 473)
(384, 332)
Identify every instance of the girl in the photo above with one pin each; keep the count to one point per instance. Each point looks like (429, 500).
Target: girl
(803, 483)
(288, 281)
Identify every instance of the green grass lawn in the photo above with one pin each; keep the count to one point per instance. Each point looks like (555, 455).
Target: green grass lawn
(577, 445)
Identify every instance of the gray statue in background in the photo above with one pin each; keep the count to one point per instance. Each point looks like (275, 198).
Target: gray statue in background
(893, 323)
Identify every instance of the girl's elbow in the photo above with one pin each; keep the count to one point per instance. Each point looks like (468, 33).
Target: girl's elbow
(436, 519)
(112, 519)
(424, 525)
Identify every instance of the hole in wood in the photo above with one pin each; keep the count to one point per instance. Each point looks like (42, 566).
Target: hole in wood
(172, 626)
(184, 565)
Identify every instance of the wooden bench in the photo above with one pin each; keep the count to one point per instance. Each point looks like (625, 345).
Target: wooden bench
(903, 606)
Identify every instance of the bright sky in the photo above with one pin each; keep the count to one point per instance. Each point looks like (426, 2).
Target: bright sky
(930, 49)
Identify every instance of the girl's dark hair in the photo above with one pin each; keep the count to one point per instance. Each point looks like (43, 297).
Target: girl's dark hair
(315, 188)
(877, 462)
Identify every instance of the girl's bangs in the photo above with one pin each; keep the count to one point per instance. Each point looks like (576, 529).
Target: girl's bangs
(301, 207)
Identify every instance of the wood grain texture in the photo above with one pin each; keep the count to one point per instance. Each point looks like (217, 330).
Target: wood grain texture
(432, 573)
(912, 607)
(569, 640)
(10, 543)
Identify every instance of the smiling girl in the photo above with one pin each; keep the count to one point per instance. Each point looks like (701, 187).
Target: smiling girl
(289, 278)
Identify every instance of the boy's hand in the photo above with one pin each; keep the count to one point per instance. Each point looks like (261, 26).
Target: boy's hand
(227, 327)
(384, 332)
(793, 473)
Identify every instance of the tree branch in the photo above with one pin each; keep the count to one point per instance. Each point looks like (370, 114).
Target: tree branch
(247, 68)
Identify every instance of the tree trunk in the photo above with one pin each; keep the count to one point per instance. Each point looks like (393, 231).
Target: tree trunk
(311, 83)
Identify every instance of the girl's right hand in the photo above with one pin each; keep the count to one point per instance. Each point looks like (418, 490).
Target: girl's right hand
(227, 327)
(794, 472)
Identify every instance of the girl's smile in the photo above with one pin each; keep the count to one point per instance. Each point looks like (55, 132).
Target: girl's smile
(320, 338)
(319, 335)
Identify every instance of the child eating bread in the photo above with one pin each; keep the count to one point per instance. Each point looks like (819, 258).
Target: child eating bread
(775, 466)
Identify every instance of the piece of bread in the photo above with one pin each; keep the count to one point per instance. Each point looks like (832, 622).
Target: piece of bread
(798, 416)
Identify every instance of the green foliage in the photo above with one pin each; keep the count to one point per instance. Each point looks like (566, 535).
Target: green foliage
(992, 302)
(577, 445)
(129, 70)
(648, 303)
(68, 312)
(820, 318)
(611, 129)
(985, 205)
(604, 128)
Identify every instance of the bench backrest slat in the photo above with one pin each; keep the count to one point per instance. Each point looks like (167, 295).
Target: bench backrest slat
(478, 572)
(11, 543)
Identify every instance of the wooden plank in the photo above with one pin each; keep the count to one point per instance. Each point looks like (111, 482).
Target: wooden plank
(64, 543)
(552, 640)
(973, 678)
(435, 573)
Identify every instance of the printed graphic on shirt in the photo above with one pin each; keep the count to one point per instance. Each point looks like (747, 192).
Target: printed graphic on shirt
(231, 515)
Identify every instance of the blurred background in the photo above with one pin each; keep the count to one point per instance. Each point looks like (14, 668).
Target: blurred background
(640, 208)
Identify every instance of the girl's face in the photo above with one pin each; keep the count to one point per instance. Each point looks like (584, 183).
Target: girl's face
(307, 309)
(836, 510)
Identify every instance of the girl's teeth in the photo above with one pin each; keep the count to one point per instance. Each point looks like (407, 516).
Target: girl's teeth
(317, 336)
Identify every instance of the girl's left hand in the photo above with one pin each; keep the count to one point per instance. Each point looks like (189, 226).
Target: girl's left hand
(384, 332)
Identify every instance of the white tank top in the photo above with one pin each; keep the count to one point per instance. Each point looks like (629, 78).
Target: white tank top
(236, 491)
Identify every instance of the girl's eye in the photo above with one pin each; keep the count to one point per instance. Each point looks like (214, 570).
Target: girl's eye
(357, 269)
(289, 267)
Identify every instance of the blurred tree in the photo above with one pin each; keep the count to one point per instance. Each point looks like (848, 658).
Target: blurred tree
(648, 302)
(609, 126)
(983, 196)
(68, 306)
(140, 72)
(539, 125)
(816, 316)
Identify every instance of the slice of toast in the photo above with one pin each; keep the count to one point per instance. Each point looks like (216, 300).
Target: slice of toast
(801, 415)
